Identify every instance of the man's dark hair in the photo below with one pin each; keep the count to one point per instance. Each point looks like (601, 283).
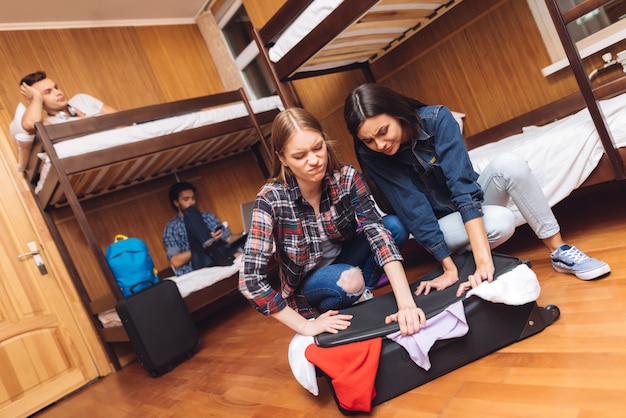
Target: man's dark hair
(33, 78)
(177, 189)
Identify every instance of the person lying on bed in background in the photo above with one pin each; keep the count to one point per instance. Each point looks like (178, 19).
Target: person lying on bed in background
(195, 239)
(307, 215)
(43, 94)
(416, 156)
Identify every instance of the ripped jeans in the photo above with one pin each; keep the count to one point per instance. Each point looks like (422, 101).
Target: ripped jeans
(321, 288)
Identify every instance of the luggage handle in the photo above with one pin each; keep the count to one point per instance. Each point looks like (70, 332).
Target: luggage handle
(132, 288)
(119, 237)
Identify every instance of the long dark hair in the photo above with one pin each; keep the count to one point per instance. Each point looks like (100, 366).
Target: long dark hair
(368, 100)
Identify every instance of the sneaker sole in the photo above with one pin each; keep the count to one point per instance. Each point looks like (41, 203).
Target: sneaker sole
(586, 275)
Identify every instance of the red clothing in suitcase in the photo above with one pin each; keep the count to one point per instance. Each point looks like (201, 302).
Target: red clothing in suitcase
(491, 326)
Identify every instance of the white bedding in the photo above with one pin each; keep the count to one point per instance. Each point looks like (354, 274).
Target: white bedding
(187, 284)
(561, 154)
(310, 17)
(128, 134)
(318, 10)
(144, 131)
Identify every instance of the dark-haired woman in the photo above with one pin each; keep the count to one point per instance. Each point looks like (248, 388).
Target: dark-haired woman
(416, 156)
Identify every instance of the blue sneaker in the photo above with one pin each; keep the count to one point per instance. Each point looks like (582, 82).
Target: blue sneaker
(569, 259)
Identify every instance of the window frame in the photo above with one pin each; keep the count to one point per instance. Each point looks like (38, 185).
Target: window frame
(588, 46)
(249, 54)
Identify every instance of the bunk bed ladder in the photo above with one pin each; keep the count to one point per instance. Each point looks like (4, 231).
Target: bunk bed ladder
(561, 19)
(89, 234)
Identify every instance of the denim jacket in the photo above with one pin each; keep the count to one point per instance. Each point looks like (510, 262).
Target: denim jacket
(428, 178)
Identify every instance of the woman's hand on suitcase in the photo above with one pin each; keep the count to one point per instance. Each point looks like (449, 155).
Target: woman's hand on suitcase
(449, 277)
(329, 321)
(409, 319)
(484, 272)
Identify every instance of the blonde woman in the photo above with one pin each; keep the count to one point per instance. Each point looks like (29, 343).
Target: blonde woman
(316, 215)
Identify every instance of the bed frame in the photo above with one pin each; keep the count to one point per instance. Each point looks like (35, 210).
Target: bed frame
(566, 106)
(73, 179)
(319, 46)
(352, 20)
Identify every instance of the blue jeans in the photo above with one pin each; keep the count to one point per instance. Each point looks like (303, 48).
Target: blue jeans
(321, 289)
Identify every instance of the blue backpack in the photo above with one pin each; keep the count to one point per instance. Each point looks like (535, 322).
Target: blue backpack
(131, 264)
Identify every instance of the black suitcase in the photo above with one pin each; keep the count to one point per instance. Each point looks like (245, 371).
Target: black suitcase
(159, 327)
(492, 326)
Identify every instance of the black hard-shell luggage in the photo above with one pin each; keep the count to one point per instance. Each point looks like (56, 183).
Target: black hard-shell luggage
(492, 326)
(159, 327)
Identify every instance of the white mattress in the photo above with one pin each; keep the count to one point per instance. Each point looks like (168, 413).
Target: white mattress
(310, 17)
(144, 131)
(128, 134)
(561, 154)
(318, 10)
(187, 284)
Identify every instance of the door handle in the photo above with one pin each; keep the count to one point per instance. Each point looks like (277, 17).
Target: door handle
(34, 252)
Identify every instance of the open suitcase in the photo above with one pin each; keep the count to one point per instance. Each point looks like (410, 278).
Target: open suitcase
(159, 327)
(492, 326)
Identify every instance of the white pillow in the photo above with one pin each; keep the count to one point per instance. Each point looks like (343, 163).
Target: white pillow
(15, 127)
(23, 139)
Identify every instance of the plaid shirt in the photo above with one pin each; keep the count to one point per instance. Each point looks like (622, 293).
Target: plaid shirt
(284, 223)
(175, 238)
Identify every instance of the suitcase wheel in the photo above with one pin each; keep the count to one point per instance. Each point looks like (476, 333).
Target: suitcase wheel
(554, 311)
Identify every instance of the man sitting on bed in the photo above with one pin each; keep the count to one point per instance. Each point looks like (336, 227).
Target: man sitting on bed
(43, 94)
(195, 239)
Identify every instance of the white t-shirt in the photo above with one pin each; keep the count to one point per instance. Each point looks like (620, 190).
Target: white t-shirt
(87, 104)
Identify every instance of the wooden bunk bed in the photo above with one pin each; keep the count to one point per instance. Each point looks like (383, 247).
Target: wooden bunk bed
(331, 47)
(351, 35)
(188, 133)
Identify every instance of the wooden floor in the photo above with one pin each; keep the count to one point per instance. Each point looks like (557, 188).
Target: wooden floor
(574, 368)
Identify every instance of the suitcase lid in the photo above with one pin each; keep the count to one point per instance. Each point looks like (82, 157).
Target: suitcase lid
(368, 318)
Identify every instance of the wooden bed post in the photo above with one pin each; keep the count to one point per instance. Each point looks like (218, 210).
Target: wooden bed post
(259, 131)
(84, 226)
(560, 22)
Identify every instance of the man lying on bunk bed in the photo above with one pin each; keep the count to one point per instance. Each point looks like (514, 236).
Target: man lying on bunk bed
(44, 95)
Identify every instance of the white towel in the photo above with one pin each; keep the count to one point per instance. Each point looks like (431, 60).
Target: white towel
(516, 287)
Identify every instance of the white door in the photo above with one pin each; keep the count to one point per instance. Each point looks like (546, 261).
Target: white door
(44, 353)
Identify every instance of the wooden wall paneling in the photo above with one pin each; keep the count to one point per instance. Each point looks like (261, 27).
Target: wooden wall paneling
(180, 61)
(108, 63)
(260, 11)
(325, 95)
